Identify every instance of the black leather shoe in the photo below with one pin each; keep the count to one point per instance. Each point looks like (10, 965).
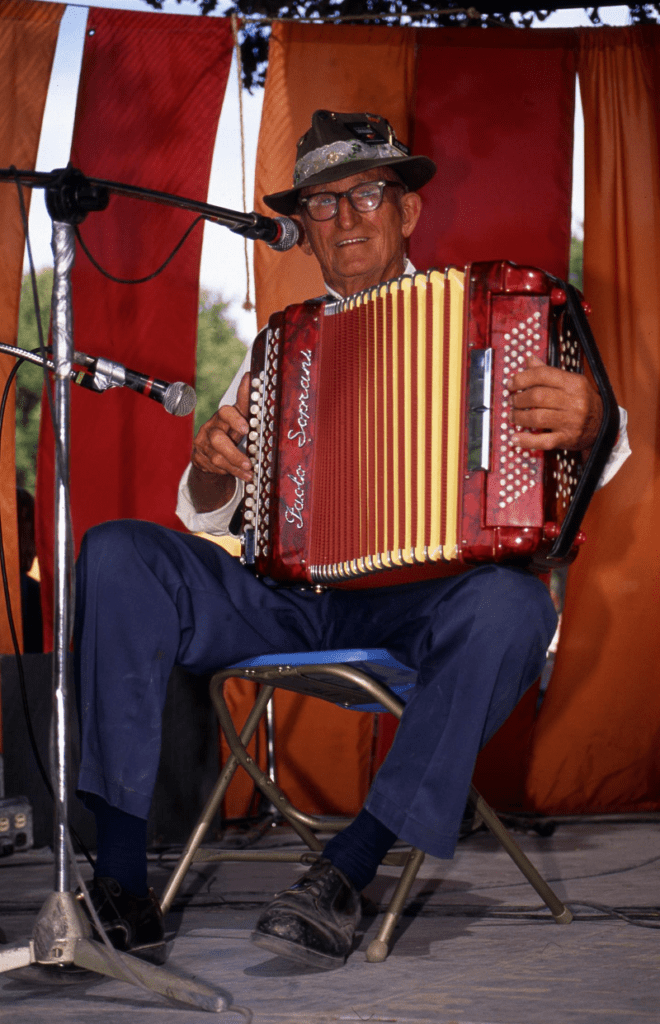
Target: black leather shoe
(314, 921)
(134, 924)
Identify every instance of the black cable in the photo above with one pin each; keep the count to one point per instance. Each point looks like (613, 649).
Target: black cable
(137, 280)
(574, 878)
(604, 909)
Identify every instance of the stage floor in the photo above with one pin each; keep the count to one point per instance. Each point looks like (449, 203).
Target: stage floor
(474, 948)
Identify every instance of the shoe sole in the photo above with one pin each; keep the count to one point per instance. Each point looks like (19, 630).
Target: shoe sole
(292, 951)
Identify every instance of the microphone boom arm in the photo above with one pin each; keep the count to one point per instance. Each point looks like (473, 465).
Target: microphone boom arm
(71, 195)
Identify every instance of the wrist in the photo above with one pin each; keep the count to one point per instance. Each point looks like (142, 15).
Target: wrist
(210, 491)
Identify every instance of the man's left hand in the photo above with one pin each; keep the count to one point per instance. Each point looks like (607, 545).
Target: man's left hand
(563, 407)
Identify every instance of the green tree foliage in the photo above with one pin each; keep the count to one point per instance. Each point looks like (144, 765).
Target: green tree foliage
(30, 377)
(576, 262)
(219, 354)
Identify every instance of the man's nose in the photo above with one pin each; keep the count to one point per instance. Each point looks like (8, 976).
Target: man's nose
(346, 215)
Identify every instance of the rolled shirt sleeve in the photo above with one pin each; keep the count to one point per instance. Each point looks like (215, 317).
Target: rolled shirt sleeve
(619, 453)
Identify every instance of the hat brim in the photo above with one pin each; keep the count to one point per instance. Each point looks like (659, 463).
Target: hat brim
(414, 171)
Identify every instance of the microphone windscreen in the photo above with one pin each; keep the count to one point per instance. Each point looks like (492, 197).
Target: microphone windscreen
(289, 234)
(179, 399)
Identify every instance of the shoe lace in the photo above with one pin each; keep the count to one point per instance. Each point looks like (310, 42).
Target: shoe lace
(315, 881)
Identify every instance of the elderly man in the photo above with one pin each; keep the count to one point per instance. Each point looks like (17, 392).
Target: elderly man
(149, 598)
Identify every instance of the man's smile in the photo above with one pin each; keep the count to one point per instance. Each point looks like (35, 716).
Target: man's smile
(350, 241)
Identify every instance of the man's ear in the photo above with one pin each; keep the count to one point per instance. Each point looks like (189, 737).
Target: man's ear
(411, 207)
(302, 242)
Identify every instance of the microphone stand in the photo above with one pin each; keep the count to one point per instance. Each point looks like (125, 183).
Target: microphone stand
(62, 933)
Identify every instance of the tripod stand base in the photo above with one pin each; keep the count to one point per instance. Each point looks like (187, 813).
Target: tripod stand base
(95, 957)
(62, 937)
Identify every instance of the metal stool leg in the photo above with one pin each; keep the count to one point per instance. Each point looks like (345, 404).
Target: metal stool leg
(215, 799)
(295, 818)
(559, 910)
(379, 947)
(271, 758)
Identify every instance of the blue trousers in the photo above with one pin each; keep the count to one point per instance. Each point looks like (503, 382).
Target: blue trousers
(148, 598)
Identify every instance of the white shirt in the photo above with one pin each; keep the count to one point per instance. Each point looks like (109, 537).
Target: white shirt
(217, 522)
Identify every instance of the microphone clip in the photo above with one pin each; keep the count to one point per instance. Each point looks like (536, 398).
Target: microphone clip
(108, 375)
(71, 196)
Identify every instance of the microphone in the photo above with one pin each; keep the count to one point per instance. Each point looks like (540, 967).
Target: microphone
(179, 399)
(288, 234)
(280, 233)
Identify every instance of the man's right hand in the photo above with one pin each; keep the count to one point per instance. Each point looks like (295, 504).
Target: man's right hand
(217, 461)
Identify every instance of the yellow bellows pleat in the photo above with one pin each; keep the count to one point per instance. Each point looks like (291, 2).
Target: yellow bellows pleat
(397, 428)
(407, 426)
(437, 286)
(456, 282)
(420, 417)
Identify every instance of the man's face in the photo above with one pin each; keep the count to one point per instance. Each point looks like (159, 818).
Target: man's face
(359, 250)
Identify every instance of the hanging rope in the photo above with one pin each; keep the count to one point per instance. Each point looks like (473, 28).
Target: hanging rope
(247, 305)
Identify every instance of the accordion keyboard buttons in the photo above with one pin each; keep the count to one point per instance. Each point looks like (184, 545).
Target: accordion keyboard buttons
(518, 471)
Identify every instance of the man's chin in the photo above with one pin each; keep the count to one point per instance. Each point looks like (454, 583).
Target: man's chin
(356, 276)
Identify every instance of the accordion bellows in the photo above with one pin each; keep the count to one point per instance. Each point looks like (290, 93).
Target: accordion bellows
(380, 429)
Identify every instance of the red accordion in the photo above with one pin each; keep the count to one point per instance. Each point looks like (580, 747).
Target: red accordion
(380, 430)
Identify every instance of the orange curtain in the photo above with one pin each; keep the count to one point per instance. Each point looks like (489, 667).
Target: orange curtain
(598, 734)
(311, 67)
(28, 35)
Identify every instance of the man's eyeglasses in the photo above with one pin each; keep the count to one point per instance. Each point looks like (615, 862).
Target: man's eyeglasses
(365, 198)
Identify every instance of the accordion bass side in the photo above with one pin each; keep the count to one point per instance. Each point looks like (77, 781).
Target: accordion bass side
(380, 430)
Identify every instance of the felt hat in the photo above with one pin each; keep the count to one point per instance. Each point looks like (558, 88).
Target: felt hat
(340, 145)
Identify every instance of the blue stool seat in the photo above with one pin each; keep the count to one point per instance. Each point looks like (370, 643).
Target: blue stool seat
(376, 662)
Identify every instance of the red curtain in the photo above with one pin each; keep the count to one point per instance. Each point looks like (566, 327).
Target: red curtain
(495, 111)
(149, 100)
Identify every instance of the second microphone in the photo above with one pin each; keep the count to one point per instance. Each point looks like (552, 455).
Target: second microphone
(179, 399)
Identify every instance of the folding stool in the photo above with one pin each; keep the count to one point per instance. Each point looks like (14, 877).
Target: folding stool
(367, 680)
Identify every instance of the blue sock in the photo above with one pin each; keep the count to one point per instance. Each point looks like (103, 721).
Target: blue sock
(359, 849)
(121, 846)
